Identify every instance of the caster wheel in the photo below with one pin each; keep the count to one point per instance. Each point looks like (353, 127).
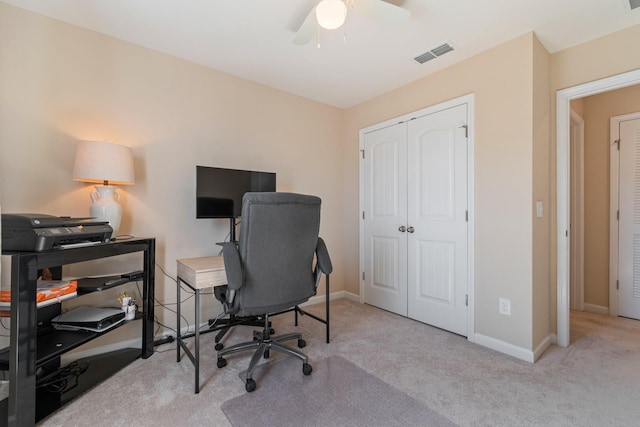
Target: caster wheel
(306, 369)
(219, 346)
(302, 343)
(250, 385)
(266, 354)
(221, 362)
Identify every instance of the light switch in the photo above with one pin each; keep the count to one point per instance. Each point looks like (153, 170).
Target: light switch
(539, 209)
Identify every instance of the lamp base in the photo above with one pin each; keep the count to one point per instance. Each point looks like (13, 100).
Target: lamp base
(105, 207)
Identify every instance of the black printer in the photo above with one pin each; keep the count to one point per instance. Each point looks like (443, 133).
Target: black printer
(39, 232)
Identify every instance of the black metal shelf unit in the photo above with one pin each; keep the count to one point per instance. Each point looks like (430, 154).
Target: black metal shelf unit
(30, 349)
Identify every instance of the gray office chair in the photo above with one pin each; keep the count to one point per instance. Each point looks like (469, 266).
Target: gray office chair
(275, 265)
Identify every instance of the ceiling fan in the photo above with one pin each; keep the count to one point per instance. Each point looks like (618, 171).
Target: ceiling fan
(331, 14)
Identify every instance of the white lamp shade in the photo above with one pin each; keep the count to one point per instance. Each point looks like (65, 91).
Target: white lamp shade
(101, 161)
(331, 14)
(104, 163)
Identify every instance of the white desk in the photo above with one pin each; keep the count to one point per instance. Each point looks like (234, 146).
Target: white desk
(197, 273)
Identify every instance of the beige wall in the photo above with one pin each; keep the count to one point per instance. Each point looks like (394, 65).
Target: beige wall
(597, 110)
(501, 80)
(541, 193)
(577, 105)
(60, 84)
(606, 56)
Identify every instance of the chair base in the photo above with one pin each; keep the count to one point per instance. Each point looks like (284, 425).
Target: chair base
(224, 325)
(262, 345)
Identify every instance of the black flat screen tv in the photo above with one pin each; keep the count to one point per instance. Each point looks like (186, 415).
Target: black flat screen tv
(219, 191)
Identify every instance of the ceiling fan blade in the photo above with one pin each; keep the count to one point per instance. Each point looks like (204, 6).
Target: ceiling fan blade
(382, 11)
(307, 29)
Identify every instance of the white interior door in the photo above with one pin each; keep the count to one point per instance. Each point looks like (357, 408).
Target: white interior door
(629, 223)
(437, 219)
(385, 211)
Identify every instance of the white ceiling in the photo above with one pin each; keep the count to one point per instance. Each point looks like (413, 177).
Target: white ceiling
(253, 38)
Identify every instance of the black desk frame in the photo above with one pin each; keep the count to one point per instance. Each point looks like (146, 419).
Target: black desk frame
(23, 338)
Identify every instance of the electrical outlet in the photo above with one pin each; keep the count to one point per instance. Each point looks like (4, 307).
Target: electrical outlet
(504, 306)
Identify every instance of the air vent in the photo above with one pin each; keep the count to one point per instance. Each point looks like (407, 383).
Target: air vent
(441, 50)
(634, 3)
(428, 56)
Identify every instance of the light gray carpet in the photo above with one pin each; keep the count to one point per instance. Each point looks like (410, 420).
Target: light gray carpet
(594, 382)
(337, 393)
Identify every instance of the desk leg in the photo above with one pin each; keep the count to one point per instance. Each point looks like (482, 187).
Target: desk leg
(326, 292)
(197, 343)
(178, 339)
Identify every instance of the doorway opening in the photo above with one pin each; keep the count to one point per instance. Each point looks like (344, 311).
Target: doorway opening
(563, 100)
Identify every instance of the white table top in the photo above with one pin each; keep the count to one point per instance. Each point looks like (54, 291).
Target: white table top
(202, 272)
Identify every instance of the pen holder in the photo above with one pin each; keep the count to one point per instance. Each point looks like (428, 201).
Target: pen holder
(129, 308)
(130, 313)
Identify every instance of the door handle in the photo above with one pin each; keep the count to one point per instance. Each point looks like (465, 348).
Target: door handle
(402, 229)
(411, 229)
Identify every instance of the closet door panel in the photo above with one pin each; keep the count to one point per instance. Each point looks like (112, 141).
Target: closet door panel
(385, 246)
(437, 207)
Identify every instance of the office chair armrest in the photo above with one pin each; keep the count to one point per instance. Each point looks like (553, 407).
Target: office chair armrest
(322, 254)
(232, 266)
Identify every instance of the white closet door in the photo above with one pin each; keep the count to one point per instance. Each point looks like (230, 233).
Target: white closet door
(437, 208)
(629, 225)
(385, 207)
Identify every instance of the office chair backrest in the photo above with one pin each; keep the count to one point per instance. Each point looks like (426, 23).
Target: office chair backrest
(278, 237)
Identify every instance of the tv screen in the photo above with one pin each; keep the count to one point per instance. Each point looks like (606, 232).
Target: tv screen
(219, 191)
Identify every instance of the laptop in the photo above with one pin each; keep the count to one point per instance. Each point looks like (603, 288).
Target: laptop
(95, 319)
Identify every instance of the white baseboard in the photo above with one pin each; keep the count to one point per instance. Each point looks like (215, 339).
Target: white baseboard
(505, 347)
(485, 341)
(543, 346)
(599, 309)
(351, 296)
(333, 295)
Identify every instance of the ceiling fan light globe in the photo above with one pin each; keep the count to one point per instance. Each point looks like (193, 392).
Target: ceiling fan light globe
(331, 14)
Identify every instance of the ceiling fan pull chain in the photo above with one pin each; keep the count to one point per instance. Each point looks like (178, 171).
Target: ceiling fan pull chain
(318, 35)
